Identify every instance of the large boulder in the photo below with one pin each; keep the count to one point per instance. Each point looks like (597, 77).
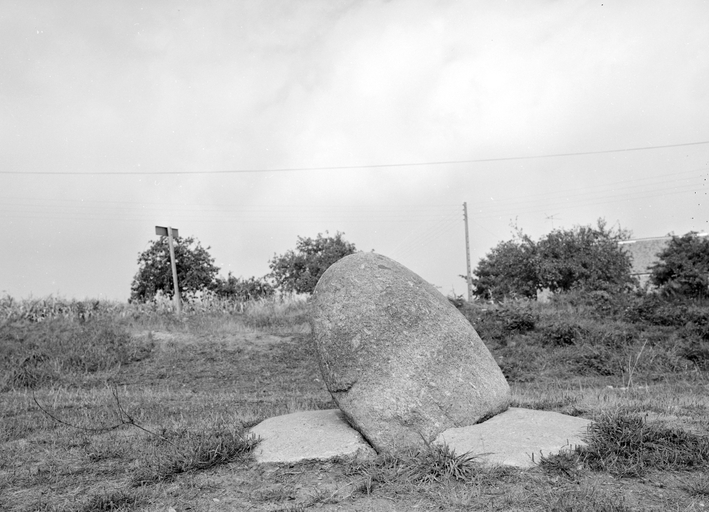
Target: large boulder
(400, 361)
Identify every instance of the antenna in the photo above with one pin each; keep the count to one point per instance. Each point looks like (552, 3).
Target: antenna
(551, 218)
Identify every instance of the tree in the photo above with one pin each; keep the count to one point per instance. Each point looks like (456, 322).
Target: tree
(299, 271)
(683, 266)
(584, 257)
(507, 270)
(242, 290)
(196, 271)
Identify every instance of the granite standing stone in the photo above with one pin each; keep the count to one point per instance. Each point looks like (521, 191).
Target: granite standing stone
(400, 361)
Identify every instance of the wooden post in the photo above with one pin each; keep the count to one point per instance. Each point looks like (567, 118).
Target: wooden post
(169, 232)
(178, 302)
(467, 252)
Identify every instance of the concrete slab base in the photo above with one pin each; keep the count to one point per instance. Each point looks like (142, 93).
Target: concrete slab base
(516, 437)
(307, 435)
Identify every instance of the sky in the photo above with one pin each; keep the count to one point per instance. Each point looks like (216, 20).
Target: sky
(248, 124)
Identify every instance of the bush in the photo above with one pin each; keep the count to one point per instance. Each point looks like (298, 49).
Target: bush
(656, 309)
(499, 321)
(242, 290)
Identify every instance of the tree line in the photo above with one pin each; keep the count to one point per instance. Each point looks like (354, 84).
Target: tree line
(587, 258)
(295, 271)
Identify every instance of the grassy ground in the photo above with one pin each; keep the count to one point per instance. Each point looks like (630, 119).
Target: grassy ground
(105, 407)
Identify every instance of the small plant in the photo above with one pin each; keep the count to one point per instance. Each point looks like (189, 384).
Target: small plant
(435, 463)
(440, 462)
(566, 463)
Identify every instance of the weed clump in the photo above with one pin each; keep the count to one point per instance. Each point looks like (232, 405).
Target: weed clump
(625, 445)
(434, 463)
(39, 354)
(177, 453)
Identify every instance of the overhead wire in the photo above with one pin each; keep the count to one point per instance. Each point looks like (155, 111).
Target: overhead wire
(426, 209)
(417, 238)
(622, 190)
(355, 167)
(444, 219)
(615, 186)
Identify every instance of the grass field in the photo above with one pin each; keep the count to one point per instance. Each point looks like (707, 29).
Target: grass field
(120, 407)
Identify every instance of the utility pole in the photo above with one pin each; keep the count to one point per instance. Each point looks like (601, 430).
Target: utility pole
(467, 252)
(170, 232)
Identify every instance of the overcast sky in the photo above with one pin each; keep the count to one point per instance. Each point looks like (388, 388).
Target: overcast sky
(118, 116)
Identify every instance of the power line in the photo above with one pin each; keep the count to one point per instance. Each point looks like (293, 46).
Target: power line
(637, 188)
(353, 167)
(649, 186)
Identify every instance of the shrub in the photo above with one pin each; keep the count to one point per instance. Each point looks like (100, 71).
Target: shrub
(497, 322)
(242, 290)
(656, 309)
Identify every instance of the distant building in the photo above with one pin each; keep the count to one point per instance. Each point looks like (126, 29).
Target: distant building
(643, 253)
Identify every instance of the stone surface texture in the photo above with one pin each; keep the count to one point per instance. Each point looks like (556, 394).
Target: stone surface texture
(399, 360)
(517, 437)
(308, 435)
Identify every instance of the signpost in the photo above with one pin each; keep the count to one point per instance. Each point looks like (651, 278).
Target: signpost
(169, 233)
(467, 252)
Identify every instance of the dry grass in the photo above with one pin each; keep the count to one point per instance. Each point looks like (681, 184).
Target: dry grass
(161, 405)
